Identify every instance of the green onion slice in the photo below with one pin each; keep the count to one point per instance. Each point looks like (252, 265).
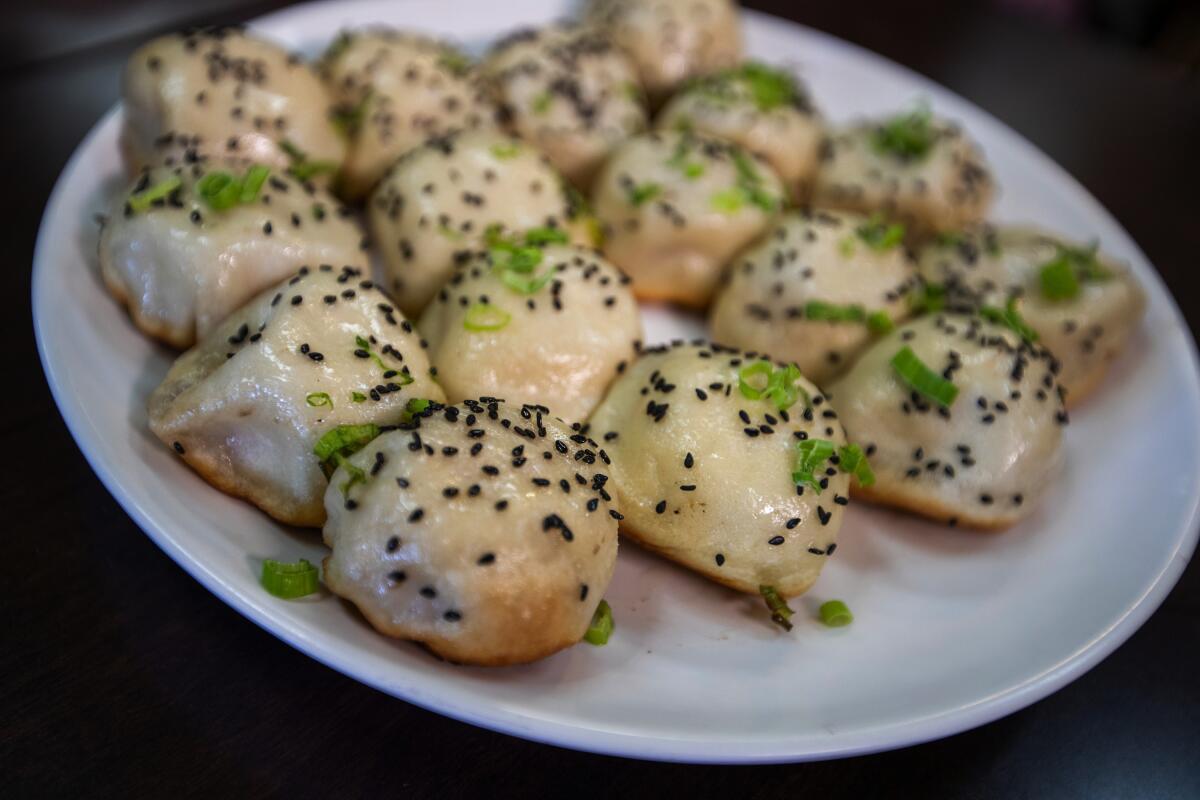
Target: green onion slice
(412, 409)
(1060, 278)
(879, 323)
(219, 190)
(643, 193)
(852, 460)
(602, 625)
(878, 235)
(485, 317)
(290, 581)
(931, 298)
(748, 379)
(781, 613)
(506, 151)
(358, 397)
(144, 199)
(811, 455)
(302, 169)
(907, 136)
(252, 183)
(318, 399)
(913, 371)
(762, 381)
(835, 614)
(1010, 318)
(344, 440)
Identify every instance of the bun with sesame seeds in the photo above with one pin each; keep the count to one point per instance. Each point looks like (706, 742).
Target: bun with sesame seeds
(763, 109)
(815, 291)
(985, 266)
(568, 91)
(705, 474)
(246, 406)
(222, 92)
(671, 40)
(182, 266)
(911, 168)
(482, 530)
(676, 207)
(564, 324)
(433, 207)
(985, 458)
(393, 90)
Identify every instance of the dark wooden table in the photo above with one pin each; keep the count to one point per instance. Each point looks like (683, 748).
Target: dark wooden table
(122, 676)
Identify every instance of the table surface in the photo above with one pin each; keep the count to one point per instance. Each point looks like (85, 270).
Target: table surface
(122, 676)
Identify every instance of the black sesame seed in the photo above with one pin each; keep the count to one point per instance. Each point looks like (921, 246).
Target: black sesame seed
(776, 540)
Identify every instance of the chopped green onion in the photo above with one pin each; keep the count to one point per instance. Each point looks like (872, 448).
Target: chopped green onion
(752, 372)
(506, 151)
(781, 613)
(913, 371)
(318, 399)
(819, 311)
(880, 236)
(769, 87)
(289, 581)
(1010, 318)
(361, 343)
(811, 454)
(750, 182)
(252, 183)
(602, 625)
(523, 284)
(1060, 278)
(485, 317)
(302, 169)
(930, 298)
(835, 614)
(729, 201)
(454, 61)
(846, 247)
(358, 397)
(852, 460)
(879, 323)
(643, 193)
(679, 159)
(540, 237)
(450, 233)
(412, 409)
(541, 103)
(339, 45)
(348, 119)
(949, 239)
(222, 191)
(907, 136)
(777, 385)
(344, 440)
(334, 448)
(159, 191)
(219, 190)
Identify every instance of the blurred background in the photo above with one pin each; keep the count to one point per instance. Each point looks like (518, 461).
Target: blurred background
(33, 31)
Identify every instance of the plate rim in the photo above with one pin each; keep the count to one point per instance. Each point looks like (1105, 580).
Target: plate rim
(868, 740)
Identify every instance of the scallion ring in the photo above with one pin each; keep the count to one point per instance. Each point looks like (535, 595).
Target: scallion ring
(602, 625)
(835, 614)
(913, 371)
(485, 317)
(290, 581)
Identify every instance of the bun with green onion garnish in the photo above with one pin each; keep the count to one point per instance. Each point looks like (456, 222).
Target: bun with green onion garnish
(1080, 305)
(913, 168)
(532, 318)
(185, 246)
(762, 108)
(729, 464)
(393, 90)
(961, 417)
(249, 404)
(676, 207)
(484, 530)
(816, 290)
(432, 209)
(569, 92)
(222, 92)
(671, 40)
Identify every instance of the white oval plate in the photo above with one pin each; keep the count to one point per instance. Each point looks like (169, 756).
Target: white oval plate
(953, 629)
